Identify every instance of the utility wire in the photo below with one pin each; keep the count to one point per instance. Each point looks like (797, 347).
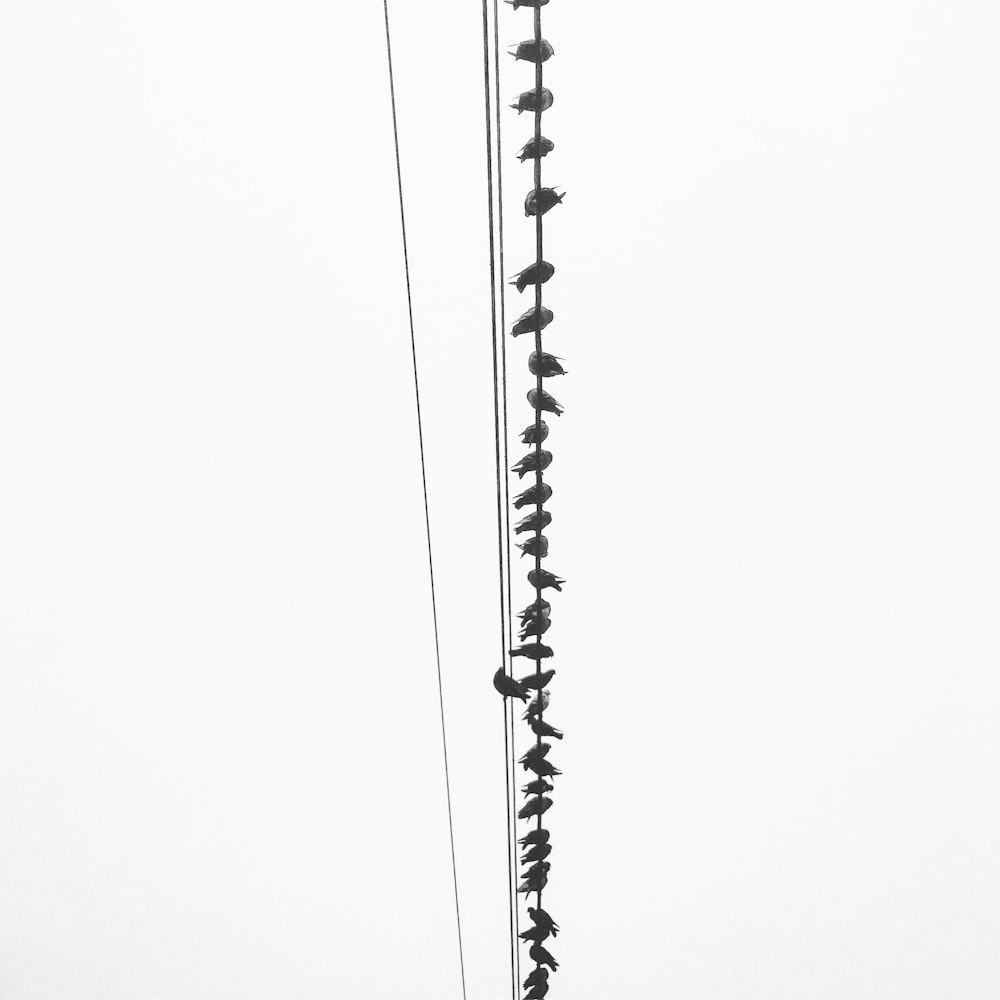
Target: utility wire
(503, 539)
(427, 514)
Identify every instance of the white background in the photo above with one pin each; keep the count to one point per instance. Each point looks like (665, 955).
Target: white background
(776, 499)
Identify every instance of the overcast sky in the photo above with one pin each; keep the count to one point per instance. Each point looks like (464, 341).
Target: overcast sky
(776, 494)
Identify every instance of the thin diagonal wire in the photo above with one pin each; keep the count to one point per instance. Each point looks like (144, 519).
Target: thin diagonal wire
(427, 513)
(501, 475)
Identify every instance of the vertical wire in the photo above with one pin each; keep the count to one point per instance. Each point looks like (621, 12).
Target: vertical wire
(427, 514)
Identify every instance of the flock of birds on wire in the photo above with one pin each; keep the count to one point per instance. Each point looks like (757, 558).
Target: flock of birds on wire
(536, 617)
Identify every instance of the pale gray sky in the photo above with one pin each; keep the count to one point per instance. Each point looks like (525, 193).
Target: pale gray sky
(776, 486)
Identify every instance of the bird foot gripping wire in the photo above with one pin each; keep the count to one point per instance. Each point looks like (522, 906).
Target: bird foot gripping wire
(536, 617)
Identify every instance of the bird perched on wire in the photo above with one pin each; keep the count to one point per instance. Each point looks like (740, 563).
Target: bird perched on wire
(536, 99)
(541, 400)
(532, 150)
(535, 933)
(534, 884)
(534, 274)
(538, 608)
(534, 461)
(542, 728)
(540, 200)
(543, 768)
(538, 546)
(535, 807)
(537, 787)
(535, 626)
(543, 919)
(536, 494)
(539, 992)
(537, 681)
(535, 752)
(532, 321)
(533, 51)
(546, 365)
(539, 852)
(507, 686)
(538, 705)
(535, 433)
(533, 651)
(539, 836)
(537, 977)
(542, 578)
(542, 957)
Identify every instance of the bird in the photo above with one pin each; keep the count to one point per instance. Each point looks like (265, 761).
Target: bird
(533, 51)
(533, 651)
(542, 728)
(535, 626)
(537, 787)
(535, 884)
(536, 99)
(537, 853)
(538, 607)
(539, 836)
(507, 686)
(542, 957)
(542, 578)
(538, 705)
(532, 321)
(535, 933)
(534, 807)
(541, 400)
(546, 365)
(536, 494)
(537, 977)
(532, 150)
(542, 918)
(534, 274)
(534, 461)
(540, 200)
(543, 768)
(541, 991)
(535, 752)
(538, 868)
(535, 433)
(537, 681)
(537, 546)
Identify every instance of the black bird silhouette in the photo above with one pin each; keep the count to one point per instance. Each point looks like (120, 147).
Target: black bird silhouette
(535, 807)
(542, 578)
(538, 868)
(534, 274)
(534, 461)
(507, 686)
(537, 681)
(541, 991)
(535, 751)
(543, 401)
(537, 608)
(537, 977)
(535, 433)
(542, 957)
(532, 51)
(535, 884)
(544, 364)
(535, 521)
(537, 787)
(537, 853)
(536, 494)
(543, 768)
(538, 546)
(533, 651)
(535, 151)
(535, 933)
(539, 836)
(533, 100)
(540, 200)
(535, 626)
(538, 705)
(532, 321)
(541, 728)
(541, 917)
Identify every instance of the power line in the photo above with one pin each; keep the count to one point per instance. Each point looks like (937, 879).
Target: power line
(423, 476)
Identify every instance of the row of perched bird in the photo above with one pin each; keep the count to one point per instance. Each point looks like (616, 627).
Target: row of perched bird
(536, 617)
